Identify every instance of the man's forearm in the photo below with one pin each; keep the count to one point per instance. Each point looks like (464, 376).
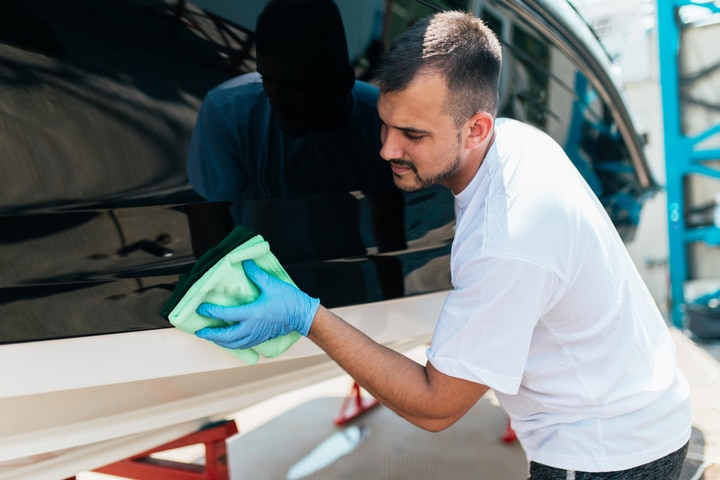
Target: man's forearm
(418, 393)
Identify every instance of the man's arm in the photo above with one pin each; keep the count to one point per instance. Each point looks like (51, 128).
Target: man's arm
(420, 394)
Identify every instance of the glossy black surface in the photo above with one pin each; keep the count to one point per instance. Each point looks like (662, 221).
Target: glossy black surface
(97, 105)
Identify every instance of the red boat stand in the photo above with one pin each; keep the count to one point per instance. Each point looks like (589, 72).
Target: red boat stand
(354, 405)
(509, 435)
(144, 467)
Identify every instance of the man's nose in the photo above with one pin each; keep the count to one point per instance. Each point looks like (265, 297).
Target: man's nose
(391, 146)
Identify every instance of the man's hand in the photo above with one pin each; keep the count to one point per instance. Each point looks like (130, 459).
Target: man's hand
(280, 309)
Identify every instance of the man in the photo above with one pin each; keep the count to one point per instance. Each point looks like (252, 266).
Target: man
(547, 308)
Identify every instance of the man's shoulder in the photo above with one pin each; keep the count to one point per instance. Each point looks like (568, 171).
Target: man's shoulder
(366, 93)
(247, 86)
(512, 124)
(511, 127)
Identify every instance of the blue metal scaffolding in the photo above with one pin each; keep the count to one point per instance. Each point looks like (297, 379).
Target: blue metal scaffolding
(684, 155)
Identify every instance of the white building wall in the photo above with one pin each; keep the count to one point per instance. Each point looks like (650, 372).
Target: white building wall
(628, 30)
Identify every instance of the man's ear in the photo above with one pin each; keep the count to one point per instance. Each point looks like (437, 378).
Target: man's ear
(480, 130)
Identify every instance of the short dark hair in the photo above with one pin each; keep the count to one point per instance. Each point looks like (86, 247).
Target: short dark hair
(308, 29)
(458, 45)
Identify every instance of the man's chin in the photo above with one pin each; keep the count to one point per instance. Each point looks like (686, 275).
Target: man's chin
(403, 184)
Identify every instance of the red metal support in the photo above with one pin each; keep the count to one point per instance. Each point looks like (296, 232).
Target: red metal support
(144, 467)
(509, 435)
(354, 405)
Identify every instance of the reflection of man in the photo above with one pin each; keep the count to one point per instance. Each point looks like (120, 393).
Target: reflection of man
(547, 308)
(269, 142)
(301, 125)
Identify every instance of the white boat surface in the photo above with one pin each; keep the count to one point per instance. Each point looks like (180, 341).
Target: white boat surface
(80, 403)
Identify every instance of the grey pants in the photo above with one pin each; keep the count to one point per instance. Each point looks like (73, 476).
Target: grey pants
(666, 468)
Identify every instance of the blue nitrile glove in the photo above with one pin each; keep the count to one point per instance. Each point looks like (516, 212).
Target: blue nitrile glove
(280, 309)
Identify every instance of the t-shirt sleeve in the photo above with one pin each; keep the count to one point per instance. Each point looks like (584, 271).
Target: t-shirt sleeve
(486, 325)
(213, 157)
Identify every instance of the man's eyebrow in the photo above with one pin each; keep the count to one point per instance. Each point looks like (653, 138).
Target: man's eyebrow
(416, 131)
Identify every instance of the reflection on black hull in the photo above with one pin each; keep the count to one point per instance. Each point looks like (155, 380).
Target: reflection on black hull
(95, 208)
(99, 288)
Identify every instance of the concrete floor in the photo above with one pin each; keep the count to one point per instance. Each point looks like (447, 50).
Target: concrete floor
(293, 436)
(700, 362)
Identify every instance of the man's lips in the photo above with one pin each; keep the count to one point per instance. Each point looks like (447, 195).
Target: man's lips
(399, 168)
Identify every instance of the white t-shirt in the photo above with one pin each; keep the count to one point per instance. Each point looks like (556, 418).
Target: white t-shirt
(549, 311)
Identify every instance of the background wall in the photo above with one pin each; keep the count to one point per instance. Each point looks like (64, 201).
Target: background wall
(628, 29)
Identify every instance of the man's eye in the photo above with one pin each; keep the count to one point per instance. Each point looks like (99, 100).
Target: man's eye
(413, 137)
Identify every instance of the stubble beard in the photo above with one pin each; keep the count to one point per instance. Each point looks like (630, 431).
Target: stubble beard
(423, 183)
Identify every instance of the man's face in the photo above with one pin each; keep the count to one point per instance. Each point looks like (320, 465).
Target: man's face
(420, 140)
(299, 94)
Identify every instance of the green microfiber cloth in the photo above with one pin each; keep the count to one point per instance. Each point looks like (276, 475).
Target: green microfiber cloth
(218, 277)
